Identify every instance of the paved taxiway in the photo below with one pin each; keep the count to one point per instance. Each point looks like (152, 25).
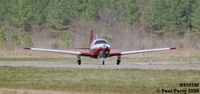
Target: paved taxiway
(132, 65)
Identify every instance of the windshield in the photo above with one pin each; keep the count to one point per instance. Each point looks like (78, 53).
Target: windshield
(100, 42)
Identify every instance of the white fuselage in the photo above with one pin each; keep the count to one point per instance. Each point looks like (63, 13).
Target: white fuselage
(100, 48)
(99, 43)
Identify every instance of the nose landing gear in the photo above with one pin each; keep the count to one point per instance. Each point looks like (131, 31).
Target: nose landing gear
(103, 61)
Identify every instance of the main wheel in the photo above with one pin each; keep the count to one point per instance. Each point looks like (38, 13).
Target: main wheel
(118, 62)
(79, 62)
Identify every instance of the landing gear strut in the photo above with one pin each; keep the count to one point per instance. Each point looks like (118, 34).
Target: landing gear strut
(118, 60)
(103, 62)
(79, 60)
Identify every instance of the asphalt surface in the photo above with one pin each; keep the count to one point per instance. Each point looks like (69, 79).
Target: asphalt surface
(131, 65)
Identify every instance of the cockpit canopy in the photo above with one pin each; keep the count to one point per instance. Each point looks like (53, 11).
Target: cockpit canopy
(100, 41)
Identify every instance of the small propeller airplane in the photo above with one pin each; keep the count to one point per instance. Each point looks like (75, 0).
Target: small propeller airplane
(99, 49)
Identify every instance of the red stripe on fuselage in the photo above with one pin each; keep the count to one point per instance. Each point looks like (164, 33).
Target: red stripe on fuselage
(93, 53)
(96, 52)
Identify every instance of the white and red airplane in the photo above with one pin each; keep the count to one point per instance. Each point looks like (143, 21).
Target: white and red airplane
(99, 49)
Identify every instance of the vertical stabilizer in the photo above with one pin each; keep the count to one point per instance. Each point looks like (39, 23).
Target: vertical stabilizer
(91, 36)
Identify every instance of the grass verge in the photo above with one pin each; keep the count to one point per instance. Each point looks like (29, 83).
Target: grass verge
(109, 81)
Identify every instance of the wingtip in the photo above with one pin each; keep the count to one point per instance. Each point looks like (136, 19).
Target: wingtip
(27, 48)
(173, 48)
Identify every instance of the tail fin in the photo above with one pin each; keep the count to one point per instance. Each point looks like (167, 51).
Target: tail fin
(91, 36)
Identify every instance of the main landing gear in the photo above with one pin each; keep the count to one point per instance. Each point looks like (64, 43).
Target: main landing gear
(79, 60)
(118, 60)
(103, 60)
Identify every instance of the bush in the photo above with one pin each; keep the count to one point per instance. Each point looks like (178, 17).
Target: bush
(66, 37)
(15, 38)
(55, 45)
(27, 41)
(2, 39)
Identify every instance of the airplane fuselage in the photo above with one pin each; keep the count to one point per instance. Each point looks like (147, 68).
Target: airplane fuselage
(99, 48)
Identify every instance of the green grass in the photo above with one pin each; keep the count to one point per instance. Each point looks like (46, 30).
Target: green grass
(122, 81)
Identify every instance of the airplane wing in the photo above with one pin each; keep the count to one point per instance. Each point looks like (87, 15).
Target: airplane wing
(55, 51)
(139, 51)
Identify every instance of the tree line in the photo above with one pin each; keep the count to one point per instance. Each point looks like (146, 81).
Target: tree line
(156, 16)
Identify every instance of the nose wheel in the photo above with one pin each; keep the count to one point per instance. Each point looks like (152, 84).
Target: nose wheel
(103, 61)
(79, 60)
(118, 60)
